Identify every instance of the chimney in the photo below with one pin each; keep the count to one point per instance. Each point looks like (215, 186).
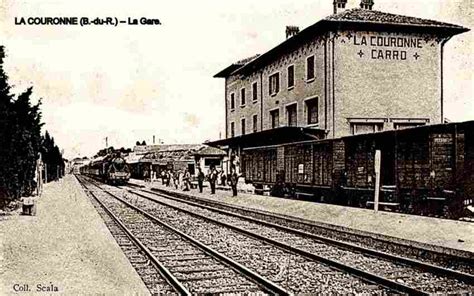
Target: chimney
(339, 5)
(366, 4)
(291, 31)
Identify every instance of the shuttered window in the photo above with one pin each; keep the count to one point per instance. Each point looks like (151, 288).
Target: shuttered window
(312, 111)
(274, 84)
(232, 101)
(254, 92)
(310, 68)
(275, 118)
(292, 115)
(291, 76)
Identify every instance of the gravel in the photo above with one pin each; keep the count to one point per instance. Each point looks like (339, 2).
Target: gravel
(416, 278)
(291, 271)
(175, 253)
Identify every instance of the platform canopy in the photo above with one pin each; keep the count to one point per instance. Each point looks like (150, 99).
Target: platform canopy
(281, 135)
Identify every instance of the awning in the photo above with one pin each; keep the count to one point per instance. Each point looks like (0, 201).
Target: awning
(281, 135)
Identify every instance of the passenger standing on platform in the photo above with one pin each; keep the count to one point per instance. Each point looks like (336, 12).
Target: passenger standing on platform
(223, 179)
(168, 178)
(180, 179)
(186, 180)
(175, 179)
(233, 179)
(213, 179)
(200, 178)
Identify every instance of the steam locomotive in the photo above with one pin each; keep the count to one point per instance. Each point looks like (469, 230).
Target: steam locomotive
(111, 169)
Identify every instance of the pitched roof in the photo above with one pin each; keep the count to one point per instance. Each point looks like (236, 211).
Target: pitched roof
(144, 149)
(350, 19)
(210, 151)
(379, 17)
(170, 153)
(235, 66)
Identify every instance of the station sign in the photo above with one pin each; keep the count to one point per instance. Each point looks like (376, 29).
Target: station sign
(389, 47)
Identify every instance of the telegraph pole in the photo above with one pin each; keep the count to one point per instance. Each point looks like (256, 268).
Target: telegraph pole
(377, 179)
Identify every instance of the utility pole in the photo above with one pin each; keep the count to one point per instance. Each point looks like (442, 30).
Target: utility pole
(377, 179)
(106, 142)
(153, 139)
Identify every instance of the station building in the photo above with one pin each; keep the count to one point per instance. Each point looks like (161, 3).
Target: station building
(174, 157)
(356, 71)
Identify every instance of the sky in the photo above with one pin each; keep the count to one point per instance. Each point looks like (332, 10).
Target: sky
(128, 83)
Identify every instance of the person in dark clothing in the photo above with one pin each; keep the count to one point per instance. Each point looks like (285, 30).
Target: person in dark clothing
(223, 179)
(168, 178)
(186, 180)
(212, 180)
(200, 178)
(233, 179)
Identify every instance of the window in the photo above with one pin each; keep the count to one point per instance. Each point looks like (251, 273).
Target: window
(255, 122)
(312, 111)
(232, 101)
(291, 76)
(275, 118)
(242, 124)
(274, 84)
(242, 97)
(291, 115)
(310, 68)
(366, 128)
(254, 92)
(232, 129)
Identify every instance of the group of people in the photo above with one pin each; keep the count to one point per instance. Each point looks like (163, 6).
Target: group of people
(182, 179)
(214, 176)
(179, 179)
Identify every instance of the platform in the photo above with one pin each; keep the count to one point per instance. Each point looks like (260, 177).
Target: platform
(443, 235)
(67, 246)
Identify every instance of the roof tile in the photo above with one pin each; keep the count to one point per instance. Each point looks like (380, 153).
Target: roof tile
(374, 16)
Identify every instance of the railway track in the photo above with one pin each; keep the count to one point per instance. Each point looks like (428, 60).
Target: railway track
(139, 258)
(188, 266)
(292, 271)
(402, 274)
(461, 265)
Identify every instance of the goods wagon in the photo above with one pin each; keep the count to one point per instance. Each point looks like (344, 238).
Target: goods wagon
(424, 170)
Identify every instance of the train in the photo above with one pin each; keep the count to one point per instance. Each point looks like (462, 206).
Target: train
(427, 170)
(111, 169)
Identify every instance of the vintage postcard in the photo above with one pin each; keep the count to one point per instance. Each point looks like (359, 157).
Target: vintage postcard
(310, 147)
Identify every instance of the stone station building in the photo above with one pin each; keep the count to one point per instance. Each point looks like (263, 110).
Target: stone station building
(356, 71)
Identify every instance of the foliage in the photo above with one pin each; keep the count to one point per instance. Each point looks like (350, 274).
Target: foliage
(52, 158)
(20, 141)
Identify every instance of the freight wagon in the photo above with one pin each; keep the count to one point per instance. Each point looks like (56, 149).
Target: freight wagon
(424, 170)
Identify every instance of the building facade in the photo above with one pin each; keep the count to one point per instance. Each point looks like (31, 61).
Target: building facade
(356, 71)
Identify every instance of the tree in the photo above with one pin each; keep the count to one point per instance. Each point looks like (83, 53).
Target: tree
(52, 158)
(26, 141)
(5, 116)
(20, 132)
